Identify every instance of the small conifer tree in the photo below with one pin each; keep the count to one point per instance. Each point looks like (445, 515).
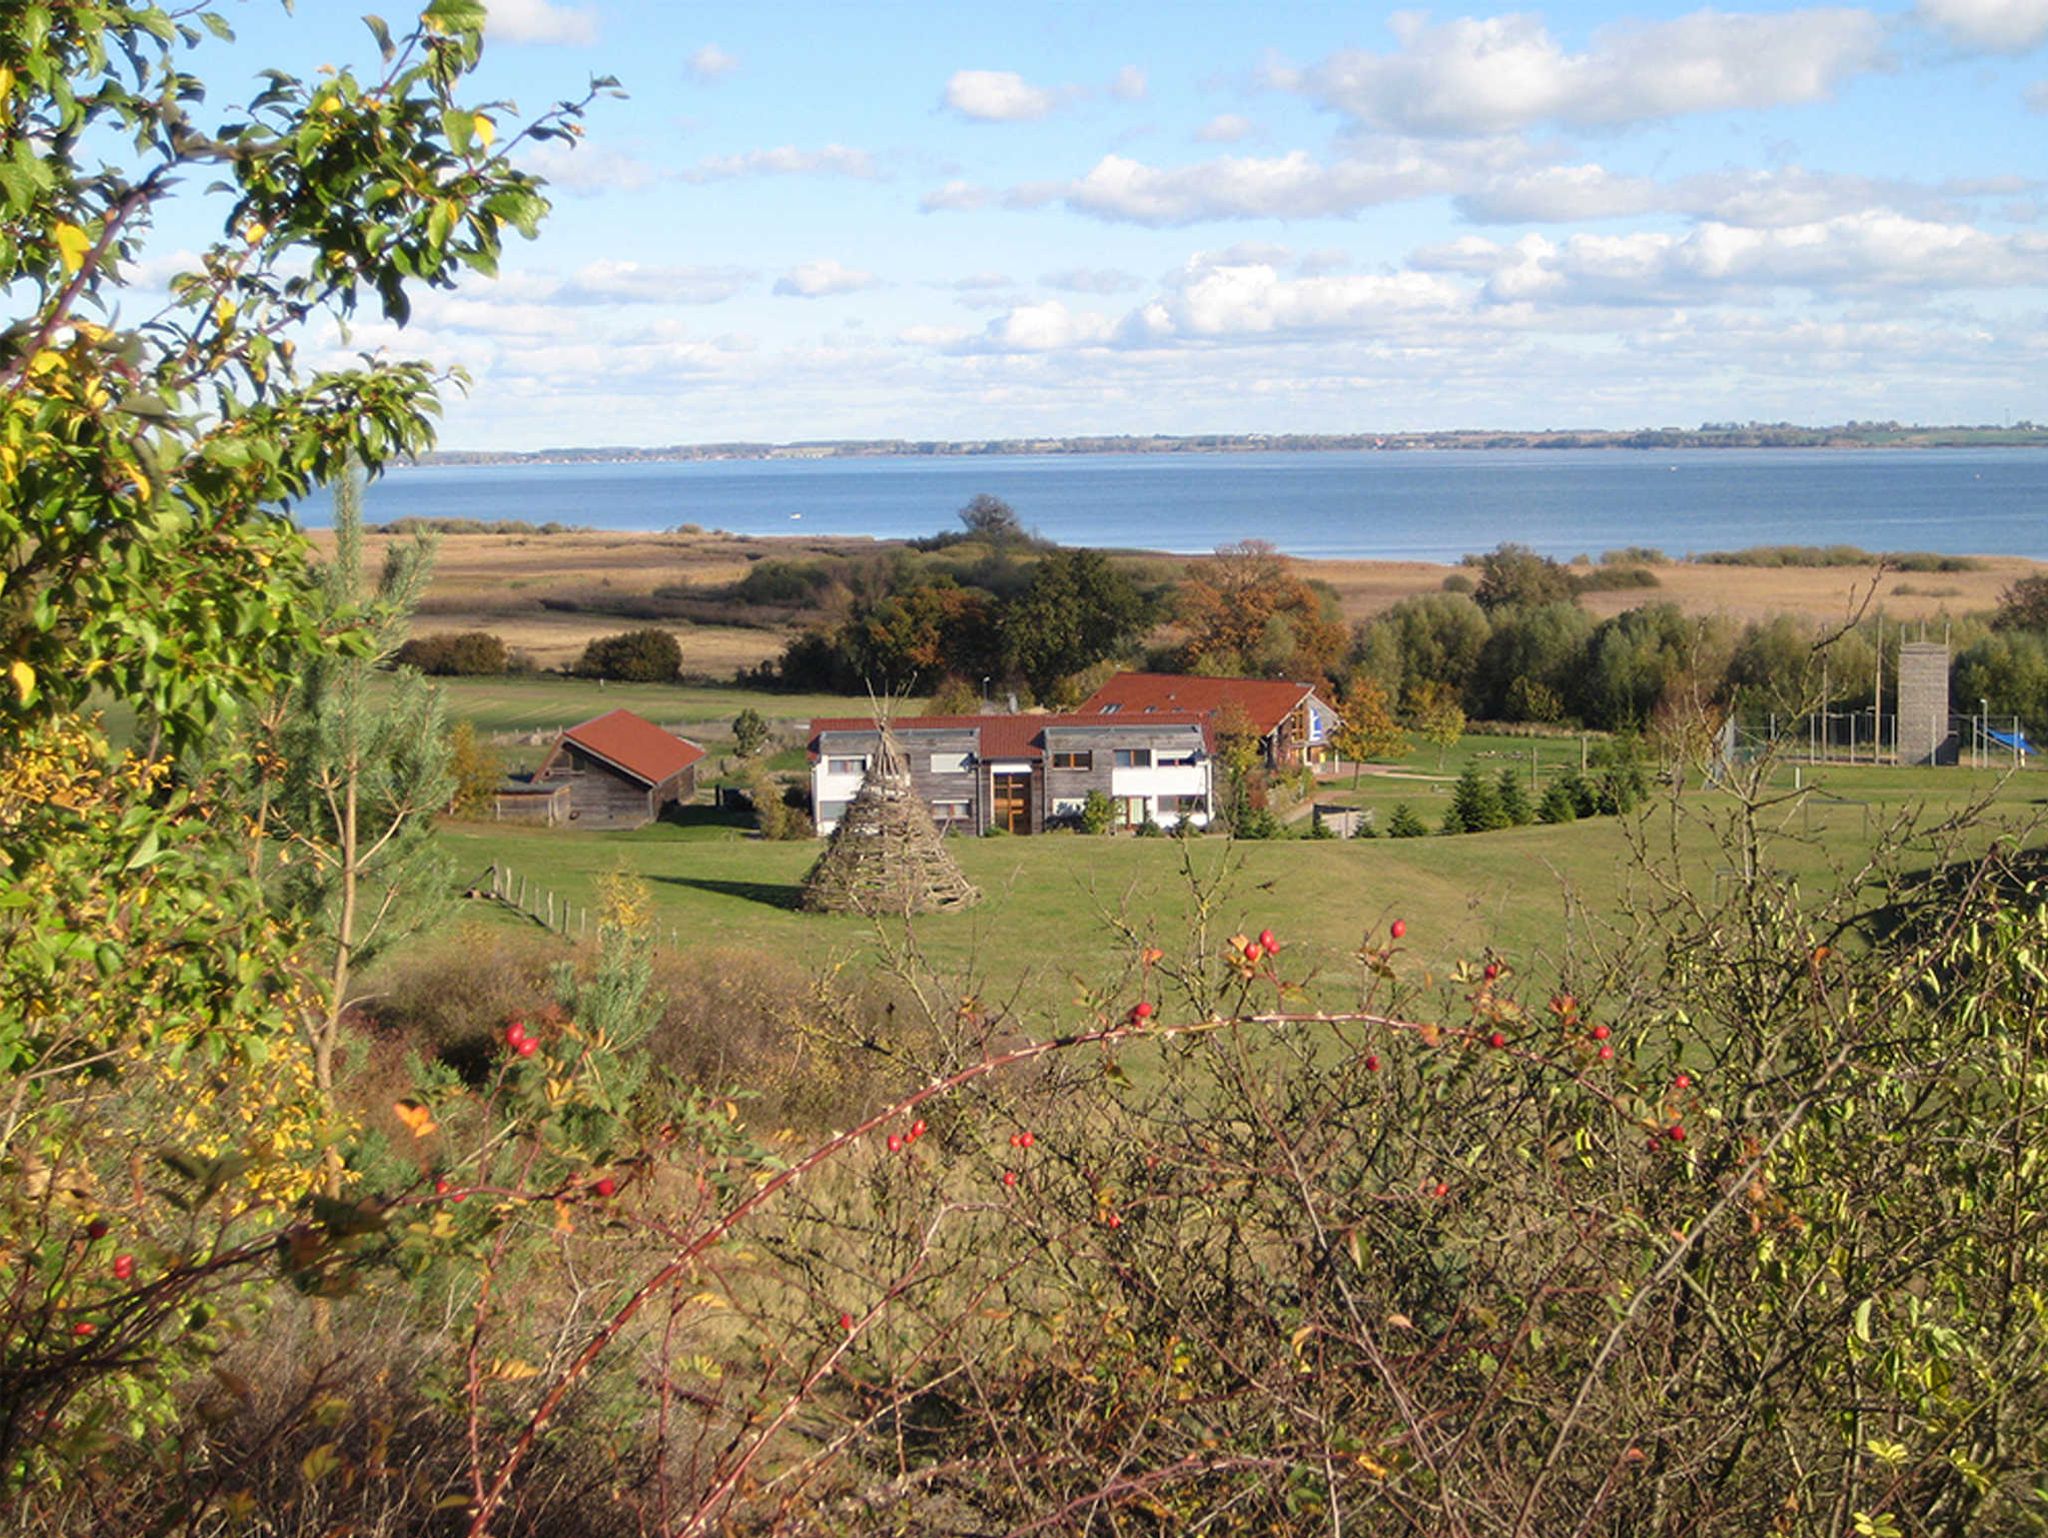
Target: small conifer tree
(1514, 800)
(1405, 824)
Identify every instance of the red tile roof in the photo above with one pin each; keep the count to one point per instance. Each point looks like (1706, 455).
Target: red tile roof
(1267, 701)
(634, 744)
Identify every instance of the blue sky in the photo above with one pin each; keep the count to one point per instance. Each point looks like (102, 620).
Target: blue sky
(957, 221)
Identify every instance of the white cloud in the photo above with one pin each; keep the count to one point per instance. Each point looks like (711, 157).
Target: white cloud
(1130, 84)
(1046, 327)
(1093, 280)
(710, 62)
(786, 160)
(954, 197)
(821, 279)
(1561, 195)
(1223, 297)
(997, 96)
(627, 282)
(1291, 186)
(539, 21)
(1989, 26)
(1757, 199)
(1506, 73)
(1224, 128)
(587, 169)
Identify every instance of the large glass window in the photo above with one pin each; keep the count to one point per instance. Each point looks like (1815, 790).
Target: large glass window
(1073, 760)
(1134, 758)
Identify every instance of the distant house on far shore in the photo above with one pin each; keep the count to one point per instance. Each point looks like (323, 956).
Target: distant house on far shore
(616, 770)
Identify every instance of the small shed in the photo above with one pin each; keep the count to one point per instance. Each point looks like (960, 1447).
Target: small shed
(548, 804)
(620, 770)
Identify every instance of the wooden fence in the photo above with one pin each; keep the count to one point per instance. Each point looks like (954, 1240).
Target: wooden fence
(545, 907)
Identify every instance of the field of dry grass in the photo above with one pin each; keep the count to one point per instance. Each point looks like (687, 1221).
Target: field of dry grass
(505, 583)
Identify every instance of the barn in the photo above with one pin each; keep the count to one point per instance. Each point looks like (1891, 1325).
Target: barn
(620, 770)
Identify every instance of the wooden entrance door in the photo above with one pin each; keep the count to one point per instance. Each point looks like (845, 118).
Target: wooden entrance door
(1010, 805)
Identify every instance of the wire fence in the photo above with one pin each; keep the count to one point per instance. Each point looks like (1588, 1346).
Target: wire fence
(545, 907)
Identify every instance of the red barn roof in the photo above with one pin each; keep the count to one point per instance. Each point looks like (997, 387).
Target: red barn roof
(633, 745)
(1268, 702)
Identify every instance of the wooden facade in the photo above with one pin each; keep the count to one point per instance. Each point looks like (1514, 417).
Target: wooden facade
(602, 795)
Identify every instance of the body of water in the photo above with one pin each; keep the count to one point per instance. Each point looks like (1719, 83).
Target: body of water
(1412, 505)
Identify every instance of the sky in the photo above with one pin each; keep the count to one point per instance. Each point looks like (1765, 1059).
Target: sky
(820, 221)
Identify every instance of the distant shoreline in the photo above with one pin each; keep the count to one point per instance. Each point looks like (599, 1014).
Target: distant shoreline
(1753, 435)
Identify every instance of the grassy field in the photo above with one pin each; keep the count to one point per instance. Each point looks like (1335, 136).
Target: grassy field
(1043, 922)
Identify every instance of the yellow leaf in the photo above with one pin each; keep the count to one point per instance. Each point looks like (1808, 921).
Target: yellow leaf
(514, 1370)
(320, 1462)
(254, 231)
(419, 1121)
(223, 311)
(486, 130)
(141, 485)
(72, 245)
(6, 82)
(24, 678)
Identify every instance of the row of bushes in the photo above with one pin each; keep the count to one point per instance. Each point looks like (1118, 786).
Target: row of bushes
(651, 656)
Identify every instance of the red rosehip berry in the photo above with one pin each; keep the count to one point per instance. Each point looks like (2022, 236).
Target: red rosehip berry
(124, 1267)
(1272, 945)
(1676, 1134)
(604, 1185)
(1254, 951)
(1681, 1082)
(1496, 1041)
(515, 1033)
(1009, 1177)
(96, 1229)
(1606, 1054)
(1492, 970)
(526, 1046)
(83, 1328)
(1398, 928)
(1141, 1011)
(1443, 1188)
(1014, 1140)
(895, 1143)
(1114, 1220)
(917, 1129)
(1601, 1033)
(846, 1322)
(1025, 1139)
(1372, 1063)
(441, 1186)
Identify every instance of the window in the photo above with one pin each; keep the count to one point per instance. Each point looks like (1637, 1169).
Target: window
(949, 763)
(1109, 710)
(1073, 760)
(1133, 811)
(1067, 806)
(951, 811)
(846, 766)
(1177, 760)
(1191, 806)
(1133, 758)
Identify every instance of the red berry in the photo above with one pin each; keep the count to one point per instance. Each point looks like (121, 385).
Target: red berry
(846, 1321)
(1372, 1063)
(895, 1143)
(1492, 970)
(1016, 1140)
(124, 1267)
(1272, 945)
(1442, 1189)
(526, 1046)
(604, 1185)
(1606, 1054)
(1141, 1011)
(96, 1229)
(1601, 1033)
(1398, 928)
(1025, 1140)
(1676, 1134)
(1254, 951)
(1496, 1041)
(917, 1129)
(441, 1186)
(83, 1328)
(1681, 1082)
(1009, 1177)
(515, 1033)
(1113, 1221)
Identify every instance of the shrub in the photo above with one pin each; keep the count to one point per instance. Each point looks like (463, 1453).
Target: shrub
(633, 656)
(459, 654)
(1098, 812)
(1405, 824)
(477, 769)
(1514, 800)
(1558, 803)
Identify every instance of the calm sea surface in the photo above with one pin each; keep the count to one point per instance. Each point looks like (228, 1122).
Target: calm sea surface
(1420, 505)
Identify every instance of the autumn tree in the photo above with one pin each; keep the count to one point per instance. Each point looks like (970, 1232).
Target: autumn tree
(1515, 577)
(1437, 715)
(1366, 728)
(1246, 611)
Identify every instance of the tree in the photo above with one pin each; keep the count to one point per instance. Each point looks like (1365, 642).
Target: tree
(1432, 637)
(465, 654)
(2009, 668)
(2024, 605)
(1434, 708)
(1078, 610)
(1366, 729)
(1405, 824)
(1475, 805)
(363, 776)
(1514, 800)
(1515, 577)
(1246, 611)
(1528, 662)
(476, 769)
(1558, 804)
(990, 518)
(749, 732)
(649, 656)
